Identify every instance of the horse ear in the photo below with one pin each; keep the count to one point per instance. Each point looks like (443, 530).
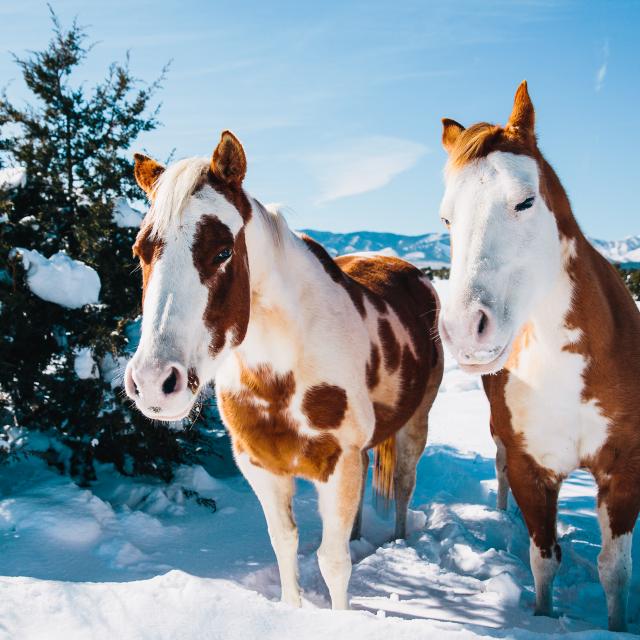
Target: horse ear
(450, 132)
(229, 163)
(147, 171)
(522, 119)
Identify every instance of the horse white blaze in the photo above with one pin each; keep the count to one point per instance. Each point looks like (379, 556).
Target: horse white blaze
(503, 259)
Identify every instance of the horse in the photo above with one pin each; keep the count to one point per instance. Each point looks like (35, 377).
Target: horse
(554, 332)
(314, 361)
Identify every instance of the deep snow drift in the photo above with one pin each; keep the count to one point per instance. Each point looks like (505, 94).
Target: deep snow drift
(134, 559)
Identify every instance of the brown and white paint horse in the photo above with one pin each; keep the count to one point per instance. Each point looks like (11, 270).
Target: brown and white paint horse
(536, 306)
(314, 360)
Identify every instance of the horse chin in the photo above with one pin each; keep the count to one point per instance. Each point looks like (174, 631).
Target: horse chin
(163, 417)
(493, 366)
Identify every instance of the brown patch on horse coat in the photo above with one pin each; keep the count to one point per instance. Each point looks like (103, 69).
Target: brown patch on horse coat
(521, 342)
(390, 345)
(373, 367)
(149, 250)
(325, 405)
(257, 417)
(609, 322)
(228, 304)
(341, 276)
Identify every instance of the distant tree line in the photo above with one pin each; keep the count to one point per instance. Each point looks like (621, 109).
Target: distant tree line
(631, 277)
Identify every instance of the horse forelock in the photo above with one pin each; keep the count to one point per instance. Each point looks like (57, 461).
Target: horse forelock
(172, 192)
(480, 139)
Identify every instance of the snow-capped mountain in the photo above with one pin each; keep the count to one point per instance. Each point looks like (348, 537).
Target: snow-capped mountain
(434, 249)
(431, 249)
(627, 250)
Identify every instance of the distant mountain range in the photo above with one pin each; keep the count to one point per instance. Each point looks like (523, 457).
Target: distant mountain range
(434, 249)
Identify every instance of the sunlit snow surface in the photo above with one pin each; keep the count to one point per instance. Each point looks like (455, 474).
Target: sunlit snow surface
(59, 279)
(133, 559)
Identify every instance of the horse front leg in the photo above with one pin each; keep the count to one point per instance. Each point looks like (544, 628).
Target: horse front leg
(275, 494)
(338, 501)
(618, 506)
(536, 492)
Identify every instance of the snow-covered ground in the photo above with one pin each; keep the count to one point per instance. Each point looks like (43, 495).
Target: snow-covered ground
(138, 559)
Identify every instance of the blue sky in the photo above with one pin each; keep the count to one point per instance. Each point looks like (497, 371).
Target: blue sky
(338, 104)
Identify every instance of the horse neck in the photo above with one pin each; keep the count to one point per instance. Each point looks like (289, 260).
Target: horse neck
(281, 269)
(552, 317)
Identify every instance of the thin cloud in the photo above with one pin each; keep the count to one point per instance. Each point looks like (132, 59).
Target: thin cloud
(601, 73)
(363, 165)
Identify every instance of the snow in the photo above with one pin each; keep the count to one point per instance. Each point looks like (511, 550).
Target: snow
(124, 215)
(434, 249)
(84, 364)
(60, 279)
(134, 558)
(112, 369)
(12, 178)
(627, 250)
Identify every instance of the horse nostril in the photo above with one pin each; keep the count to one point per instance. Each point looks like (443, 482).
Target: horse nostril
(169, 385)
(482, 324)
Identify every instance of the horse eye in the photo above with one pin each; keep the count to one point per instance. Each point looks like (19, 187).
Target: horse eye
(525, 204)
(446, 222)
(223, 255)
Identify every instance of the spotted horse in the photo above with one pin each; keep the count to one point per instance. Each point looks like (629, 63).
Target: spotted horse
(555, 333)
(315, 361)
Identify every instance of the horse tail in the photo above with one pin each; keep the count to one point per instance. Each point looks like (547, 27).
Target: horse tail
(384, 462)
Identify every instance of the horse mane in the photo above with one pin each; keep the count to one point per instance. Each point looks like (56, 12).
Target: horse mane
(181, 180)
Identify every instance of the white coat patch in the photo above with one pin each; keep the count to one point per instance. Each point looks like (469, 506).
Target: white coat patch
(545, 386)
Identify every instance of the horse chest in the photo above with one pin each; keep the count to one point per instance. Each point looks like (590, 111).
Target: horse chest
(267, 420)
(544, 394)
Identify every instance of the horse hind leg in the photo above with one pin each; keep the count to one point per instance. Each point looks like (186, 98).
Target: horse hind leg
(409, 447)
(501, 475)
(356, 531)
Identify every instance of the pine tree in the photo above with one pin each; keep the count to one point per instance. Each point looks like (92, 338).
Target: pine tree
(73, 144)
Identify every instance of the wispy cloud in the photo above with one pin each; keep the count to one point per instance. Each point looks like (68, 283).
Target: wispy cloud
(601, 73)
(362, 165)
